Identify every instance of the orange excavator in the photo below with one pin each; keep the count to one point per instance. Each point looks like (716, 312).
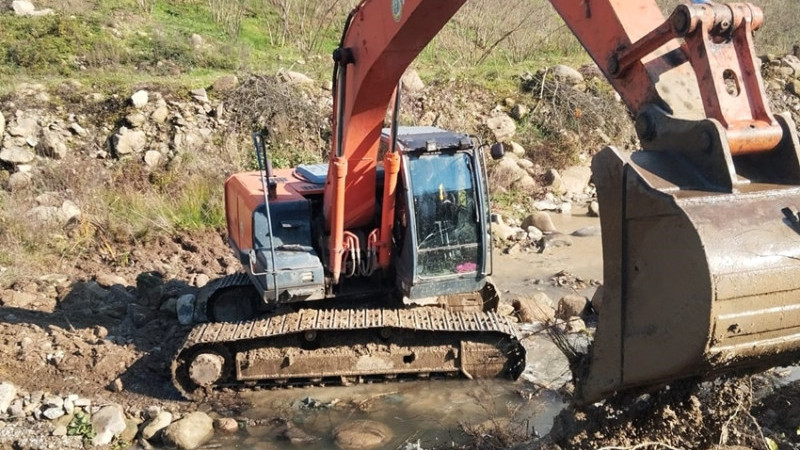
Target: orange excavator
(376, 265)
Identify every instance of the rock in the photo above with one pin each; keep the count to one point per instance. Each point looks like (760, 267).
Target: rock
(520, 111)
(116, 385)
(361, 434)
(16, 410)
(555, 240)
(51, 146)
(136, 119)
(575, 325)
(540, 220)
(225, 84)
(140, 98)
(25, 128)
(574, 180)
(594, 209)
(565, 208)
(152, 159)
(53, 401)
(160, 114)
(792, 62)
(41, 215)
(518, 150)
(18, 181)
(190, 432)
(526, 184)
(107, 280)
(597, 300)
(128, 141)
(130, 432)
(526, 164)
(23, 7)
(291, 77)
(7, 394)
(75, 128)
(16, 155)
(69, 212)
(567, 75)
(507, 172)
(108, 422)
(534, 234)
(411, 81)
(201, 280)
(2, 126)
(503, 231)
(170, 306)
(200, 95)
(185, 309)
(69, 404)
(502, 127)
(53, 412)
(538, 308)
(161, 420)
(226, 425)
(794, 87)
(587, 231)
(295, 435)
(196, 41)
(553, 179)
(26, 8)
(571, 306)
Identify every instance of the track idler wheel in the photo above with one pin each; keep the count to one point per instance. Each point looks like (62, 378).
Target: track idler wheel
(197, 372)
(206, 369)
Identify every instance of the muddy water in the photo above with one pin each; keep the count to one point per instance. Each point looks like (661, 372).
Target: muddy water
(431, 412)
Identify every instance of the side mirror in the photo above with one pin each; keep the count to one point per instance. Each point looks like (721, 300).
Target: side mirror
(498, 151)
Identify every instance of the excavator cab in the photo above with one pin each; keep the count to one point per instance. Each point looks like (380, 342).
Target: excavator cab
(442, 235)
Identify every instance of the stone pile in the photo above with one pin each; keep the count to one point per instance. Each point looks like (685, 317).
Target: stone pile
(75, 421)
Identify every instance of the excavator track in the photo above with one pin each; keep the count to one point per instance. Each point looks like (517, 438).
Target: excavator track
(314, 347)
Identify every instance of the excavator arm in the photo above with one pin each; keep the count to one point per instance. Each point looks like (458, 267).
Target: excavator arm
(379, 42)
(701, 242)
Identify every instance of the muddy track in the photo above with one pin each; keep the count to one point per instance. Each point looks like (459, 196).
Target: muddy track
(311, 346)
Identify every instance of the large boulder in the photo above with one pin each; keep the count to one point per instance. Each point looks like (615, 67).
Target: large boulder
(7, 394)
(16, 155)
(540, 220)
(411, 82)
(571, 306)
(361, 434)
(190, 432)
(108, 422)
(26, 8)
(225, 84)
(52, 146)
(538, 308)
(506, 173)
(25, 128)
(140, 98)
(128, 141)
(502, 127)
(567, 75)
(161, 421)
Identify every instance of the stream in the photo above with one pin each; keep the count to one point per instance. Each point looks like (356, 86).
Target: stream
(434, 413)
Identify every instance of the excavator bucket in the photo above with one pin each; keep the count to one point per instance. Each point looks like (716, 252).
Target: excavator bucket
(701, 242)
(699, 280)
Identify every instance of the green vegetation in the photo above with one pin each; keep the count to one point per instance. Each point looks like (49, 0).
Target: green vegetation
(486, 42)
(81, 425)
